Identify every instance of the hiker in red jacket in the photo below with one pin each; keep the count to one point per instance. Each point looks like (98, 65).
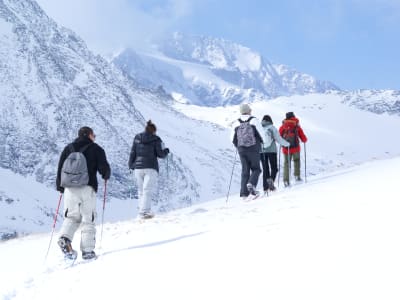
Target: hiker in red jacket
(293, 133)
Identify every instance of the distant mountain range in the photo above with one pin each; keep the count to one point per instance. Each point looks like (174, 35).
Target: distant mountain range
(214, 72)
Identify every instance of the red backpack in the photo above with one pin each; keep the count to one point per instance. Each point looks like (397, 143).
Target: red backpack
(290, 133)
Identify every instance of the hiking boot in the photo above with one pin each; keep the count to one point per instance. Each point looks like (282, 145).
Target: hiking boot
(298, 179)
(286, 183)
(252, 190)
(66, 248)
(271, 185)
(89, 255)
(146, 215)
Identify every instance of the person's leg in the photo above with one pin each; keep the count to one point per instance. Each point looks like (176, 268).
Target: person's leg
(150, 184)
(254, 158)
(72, 215)
(296, 163)
(245, 175)
(285, 168)
(139, 176)
(265, 170)
(88, 212)
(273, 161)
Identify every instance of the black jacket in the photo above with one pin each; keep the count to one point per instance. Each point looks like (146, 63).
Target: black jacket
(146, 148)
(95, 158)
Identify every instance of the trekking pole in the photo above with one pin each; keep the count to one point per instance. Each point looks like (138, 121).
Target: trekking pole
(289, 163)
(305, 163)
(102, 216)
(230, 181)
(54, 226)
(279, 164)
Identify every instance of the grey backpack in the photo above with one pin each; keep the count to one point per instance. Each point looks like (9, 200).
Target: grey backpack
(74, 172)
(245, 134)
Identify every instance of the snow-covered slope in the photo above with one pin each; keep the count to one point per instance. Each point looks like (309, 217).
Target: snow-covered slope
(333, 238)
(211, 72)
(51, 84)
(339, 135)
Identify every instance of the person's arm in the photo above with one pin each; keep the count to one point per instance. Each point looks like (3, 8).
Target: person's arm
(160, 150)
(302, 136)
(102, 164)
(63, 157)
(254, 121)
(278, 138)
(132, 156)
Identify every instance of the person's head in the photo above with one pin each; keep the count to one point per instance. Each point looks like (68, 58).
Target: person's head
(267, 118)
(86, 131)
(289, 115)
(245, 109)
(150, 127)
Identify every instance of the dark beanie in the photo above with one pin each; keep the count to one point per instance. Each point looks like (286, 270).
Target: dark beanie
(85, 131)
(150, 127)
(289, 115)
(267, 118)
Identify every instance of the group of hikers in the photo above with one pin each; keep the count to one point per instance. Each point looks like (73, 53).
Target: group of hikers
(83, 158)
(256, 142)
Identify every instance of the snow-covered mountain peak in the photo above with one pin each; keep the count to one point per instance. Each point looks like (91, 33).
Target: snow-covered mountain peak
(213, 71)
(217, 52)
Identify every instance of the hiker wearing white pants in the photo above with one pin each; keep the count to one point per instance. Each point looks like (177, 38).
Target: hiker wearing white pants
(147, 183)
(147, 147)
(80, 210)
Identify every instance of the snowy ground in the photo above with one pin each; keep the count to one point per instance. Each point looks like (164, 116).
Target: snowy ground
(335, 237)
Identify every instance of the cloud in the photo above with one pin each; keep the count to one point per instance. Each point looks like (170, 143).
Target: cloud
(109, 25)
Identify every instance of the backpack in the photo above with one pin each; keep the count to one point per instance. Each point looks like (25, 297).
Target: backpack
(74, 172)
(290, 133)
(267, 138)
(245, 135)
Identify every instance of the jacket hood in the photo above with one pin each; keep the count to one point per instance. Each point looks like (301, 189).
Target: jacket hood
(81, 142)
(265, 123)
(292, 120)
(146, 138)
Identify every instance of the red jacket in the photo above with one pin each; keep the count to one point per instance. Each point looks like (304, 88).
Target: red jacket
(293, 122)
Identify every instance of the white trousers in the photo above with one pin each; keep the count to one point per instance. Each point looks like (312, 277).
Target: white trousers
(80, 209)
(147, 181)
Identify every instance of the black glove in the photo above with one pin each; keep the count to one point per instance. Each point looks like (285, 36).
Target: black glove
(166, 150)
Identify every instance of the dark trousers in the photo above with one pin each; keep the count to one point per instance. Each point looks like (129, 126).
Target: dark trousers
(251, 170)
(270, 167)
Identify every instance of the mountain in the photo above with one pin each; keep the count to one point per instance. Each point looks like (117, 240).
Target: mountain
(376, 101)
(51, 84)
(332, 238)
(213, 72)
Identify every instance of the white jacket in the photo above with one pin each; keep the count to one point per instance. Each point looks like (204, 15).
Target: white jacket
(254, 121)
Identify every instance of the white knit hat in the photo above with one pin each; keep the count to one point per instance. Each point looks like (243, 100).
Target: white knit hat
(245, 109)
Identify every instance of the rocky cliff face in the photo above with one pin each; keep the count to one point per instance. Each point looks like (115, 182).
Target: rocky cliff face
(51, 84)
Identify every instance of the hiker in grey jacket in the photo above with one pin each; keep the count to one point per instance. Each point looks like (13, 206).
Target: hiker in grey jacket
(147, 147)
(269, 152)
(249, 153)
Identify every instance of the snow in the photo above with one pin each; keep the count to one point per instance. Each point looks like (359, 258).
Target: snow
(338, 135)
(5, 28)
(332, 238)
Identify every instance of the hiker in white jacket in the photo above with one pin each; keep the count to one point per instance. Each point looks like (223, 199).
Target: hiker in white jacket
(269, 152)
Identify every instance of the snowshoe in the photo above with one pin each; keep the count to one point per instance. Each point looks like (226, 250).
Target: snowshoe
(66, 248)
(91, 255)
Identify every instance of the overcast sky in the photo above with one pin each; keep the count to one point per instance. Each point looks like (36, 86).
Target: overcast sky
(353, 43)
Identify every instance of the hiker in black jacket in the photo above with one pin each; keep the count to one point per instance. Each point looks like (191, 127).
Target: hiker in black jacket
(147, 147)
(80, 201)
